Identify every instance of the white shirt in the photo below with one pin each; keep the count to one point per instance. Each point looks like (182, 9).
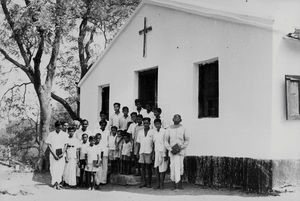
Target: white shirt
(104, 140)
(71, 151)
(176, 135)
(92, 153)
(146, 142)
(82, 151)
(126, 148)
(115, 120)
(112, 142)
(100, 149)
(131, 128)
(124, 122)
(57, 140)
(142, 111)
(79, 132)
(137, 129)
(159, 140)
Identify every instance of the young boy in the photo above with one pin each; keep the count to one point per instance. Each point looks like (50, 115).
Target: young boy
(132, 125)
(100, 149)
(93, 161)
(138, 127)
(104, 144)
(72, 158)
(149, 113)
(125, 119)
(103, 117)
(118, 152)
(145, 152)
(82, 150)
(112, 148)
(115, 118)
(176, 141)
(161, 158)
(126, 154)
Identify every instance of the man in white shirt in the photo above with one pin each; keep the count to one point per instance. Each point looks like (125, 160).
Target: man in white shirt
(145, 152)
(104, 146)
(57, 141)
(124, 119)
(83, 130)
(160, 160)
(115, 118)
(176, 142)
(139, 109)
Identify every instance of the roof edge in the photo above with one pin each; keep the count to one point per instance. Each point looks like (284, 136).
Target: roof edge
(265, 23)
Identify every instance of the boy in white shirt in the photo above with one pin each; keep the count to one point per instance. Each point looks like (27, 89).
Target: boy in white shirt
(126, 154)
(100, 148)
(112, 149)
(161, 156)
(82, 163)
(124, 119)
(145, 152)
(93, 162)
(104, 144)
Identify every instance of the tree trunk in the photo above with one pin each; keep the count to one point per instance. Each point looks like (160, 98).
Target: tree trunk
(44, 96)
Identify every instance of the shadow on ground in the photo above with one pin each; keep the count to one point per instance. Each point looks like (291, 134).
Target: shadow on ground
(44, 178)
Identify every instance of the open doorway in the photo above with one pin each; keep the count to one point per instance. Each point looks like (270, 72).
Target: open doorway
(147, 90)
(105, 99)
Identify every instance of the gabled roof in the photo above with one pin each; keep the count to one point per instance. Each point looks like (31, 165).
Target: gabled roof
(260, 13)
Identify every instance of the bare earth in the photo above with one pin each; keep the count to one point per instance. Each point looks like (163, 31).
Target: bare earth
(20, 186)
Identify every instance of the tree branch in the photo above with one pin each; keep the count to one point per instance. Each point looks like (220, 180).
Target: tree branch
(87, 46)
(12, 88)
(16, 35)
(66, 105)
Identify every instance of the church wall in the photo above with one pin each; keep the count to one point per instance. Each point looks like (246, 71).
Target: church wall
(176, 44)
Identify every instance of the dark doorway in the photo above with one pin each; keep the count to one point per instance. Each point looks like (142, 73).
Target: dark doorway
(105, 100)
(148, 87)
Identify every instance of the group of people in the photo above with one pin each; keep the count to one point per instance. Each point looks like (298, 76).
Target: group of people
(123, 144)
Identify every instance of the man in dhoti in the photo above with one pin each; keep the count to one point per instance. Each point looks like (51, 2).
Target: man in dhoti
(56, 142)
(176, 141)
(72, 158)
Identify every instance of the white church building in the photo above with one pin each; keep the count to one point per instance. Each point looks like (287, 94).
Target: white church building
(230, 68)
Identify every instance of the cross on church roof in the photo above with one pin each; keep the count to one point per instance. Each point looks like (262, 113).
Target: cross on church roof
(144, 31)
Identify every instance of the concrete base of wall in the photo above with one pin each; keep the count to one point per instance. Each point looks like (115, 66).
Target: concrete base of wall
(286, 173)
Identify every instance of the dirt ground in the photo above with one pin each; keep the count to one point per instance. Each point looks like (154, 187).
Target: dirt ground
(23, 187)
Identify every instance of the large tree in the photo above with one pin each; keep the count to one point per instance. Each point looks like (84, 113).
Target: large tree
(30, 40)
(45, 39)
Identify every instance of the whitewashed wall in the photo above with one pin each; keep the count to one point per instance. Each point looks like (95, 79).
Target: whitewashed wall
(286, 133)
(178, 41)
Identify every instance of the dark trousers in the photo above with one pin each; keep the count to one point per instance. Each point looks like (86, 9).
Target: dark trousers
(81, 178)
(90, 179)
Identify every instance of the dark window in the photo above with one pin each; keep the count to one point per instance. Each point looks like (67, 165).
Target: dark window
(208, 99)
(292, 95)
(148, 87)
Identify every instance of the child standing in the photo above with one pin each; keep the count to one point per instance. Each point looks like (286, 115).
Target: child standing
(145, 152)
(112, 148)
(82, 163)
(104, 144)
(99, 147)
(93, 161)
(157, 114)
(118, 152)
(138, 127)
(126, 154)
(161, 156)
